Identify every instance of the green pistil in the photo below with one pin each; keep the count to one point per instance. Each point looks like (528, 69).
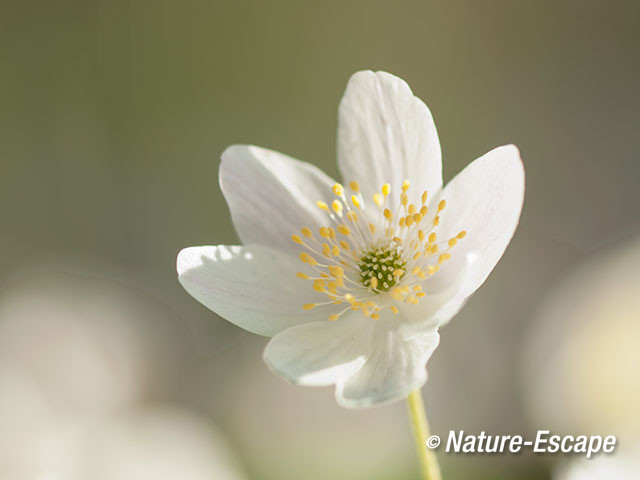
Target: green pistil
(381, 263)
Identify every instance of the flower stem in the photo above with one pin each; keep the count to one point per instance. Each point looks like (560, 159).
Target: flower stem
(428, 461)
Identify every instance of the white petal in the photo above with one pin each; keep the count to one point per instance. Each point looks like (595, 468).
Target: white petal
(321, 353)
(271, 196)
(395, 368)
(386, 134)
(485, 200)
(253, 287)
(434, 309)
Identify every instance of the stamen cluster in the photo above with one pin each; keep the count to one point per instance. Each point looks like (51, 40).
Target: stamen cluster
(373, 260)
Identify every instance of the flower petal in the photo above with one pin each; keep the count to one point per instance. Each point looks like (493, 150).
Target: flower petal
(434, 308)
(321, 353)
(395, 368)
(253, 287)
(386, 134)
(271, 195)
(485, 200)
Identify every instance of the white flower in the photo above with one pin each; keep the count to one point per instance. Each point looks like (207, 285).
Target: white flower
(582, 360)
(621, 465)
(353, 282)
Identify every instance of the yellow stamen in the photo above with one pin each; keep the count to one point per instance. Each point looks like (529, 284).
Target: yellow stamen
(322, 205)
(344, 230)
(444, 257)
(335, 270)
(408, 247)
(431, 269)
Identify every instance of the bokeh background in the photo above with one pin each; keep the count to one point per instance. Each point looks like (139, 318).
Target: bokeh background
(113, 115)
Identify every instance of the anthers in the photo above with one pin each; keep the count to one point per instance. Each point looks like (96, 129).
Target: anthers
(371, 261)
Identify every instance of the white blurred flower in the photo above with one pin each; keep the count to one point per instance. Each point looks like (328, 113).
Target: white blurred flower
(74, 369)
(81, 340)
(583, 359)
(158, 443)
(622, 465)
(387, 260)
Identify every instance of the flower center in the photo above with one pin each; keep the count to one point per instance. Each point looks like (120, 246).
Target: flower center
(381, 268)
(370, 261)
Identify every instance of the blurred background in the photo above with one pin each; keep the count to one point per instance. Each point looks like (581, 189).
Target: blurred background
(112, 119)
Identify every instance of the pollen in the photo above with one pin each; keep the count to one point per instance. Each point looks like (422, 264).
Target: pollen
(372, 258)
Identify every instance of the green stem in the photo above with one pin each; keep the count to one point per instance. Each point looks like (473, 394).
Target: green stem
(428, 461)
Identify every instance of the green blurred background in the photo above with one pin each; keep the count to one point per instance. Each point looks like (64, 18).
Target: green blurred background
(112, 119)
